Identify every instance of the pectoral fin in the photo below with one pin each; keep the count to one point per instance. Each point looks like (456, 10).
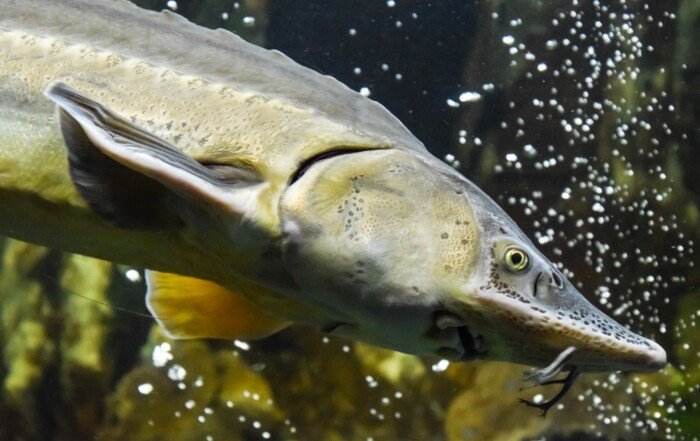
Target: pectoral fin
(193, 308)
(133, 179)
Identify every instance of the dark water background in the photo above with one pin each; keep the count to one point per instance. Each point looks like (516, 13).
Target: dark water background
(585, 129)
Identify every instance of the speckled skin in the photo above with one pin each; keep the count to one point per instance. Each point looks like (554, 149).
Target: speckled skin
(372, 245)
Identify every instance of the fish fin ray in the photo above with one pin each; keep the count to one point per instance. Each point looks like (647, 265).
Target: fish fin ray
(135, 179)
(188, 307)
(123, 197)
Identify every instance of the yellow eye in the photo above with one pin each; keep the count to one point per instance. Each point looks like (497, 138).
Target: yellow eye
(516, 259)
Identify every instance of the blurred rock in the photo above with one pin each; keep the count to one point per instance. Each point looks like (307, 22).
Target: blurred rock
(27, 324)
(399, 369)
(187, 390)
(488, 409)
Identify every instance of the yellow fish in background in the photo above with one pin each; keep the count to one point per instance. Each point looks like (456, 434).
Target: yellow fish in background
(260, 193)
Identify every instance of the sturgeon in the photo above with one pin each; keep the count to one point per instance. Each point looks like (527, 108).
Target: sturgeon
(260, 193)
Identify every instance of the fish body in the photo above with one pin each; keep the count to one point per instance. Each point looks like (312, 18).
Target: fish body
(245, 106)
(189, 151)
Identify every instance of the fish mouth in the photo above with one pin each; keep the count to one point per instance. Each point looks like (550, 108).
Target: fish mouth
(471, 345)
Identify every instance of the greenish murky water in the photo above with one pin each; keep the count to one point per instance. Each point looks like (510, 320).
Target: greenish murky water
(579, 117)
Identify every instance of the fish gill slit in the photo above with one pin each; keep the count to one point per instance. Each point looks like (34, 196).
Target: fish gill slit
(305, 165)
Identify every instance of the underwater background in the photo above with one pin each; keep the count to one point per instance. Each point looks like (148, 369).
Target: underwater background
(580, 118)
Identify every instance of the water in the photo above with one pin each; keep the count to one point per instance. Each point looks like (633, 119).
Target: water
(579, 118)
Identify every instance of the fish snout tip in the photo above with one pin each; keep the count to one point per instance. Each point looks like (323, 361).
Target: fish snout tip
(655, 357)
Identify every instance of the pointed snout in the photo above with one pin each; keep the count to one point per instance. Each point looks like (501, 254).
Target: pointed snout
(654, 358)
(632, 353)
(604, 344)
(559, 318)
(643, 355)
(611, 354)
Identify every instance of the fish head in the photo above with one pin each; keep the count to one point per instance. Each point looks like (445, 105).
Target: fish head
(527, 311)
(405, 253)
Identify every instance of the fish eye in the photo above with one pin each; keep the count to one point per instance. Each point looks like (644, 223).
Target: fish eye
(516, 259)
